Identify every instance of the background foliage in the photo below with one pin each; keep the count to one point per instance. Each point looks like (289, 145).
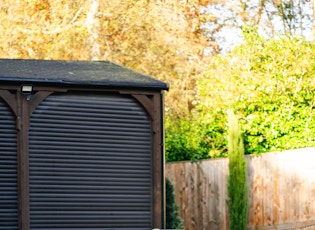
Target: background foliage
(159, 38)
(269, 83)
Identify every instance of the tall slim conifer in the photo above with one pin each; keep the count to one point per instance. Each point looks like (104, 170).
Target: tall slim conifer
(237, 188)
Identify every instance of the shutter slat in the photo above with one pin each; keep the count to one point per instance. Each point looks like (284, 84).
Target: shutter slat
(8, 170)
(55, 132)
(90, 163)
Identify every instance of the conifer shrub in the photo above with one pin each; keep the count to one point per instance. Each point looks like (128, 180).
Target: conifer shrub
(173, 220)
(237, 188)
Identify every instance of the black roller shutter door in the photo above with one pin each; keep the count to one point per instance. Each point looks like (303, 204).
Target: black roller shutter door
(90, 163)
(8, 169)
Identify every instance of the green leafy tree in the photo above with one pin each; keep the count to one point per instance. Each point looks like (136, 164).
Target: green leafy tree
(237, 187)
(268, 82)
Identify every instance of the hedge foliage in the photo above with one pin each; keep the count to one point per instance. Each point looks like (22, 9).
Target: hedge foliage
(270, 84)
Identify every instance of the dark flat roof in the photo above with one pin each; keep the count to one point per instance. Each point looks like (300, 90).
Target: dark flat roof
(91, 73)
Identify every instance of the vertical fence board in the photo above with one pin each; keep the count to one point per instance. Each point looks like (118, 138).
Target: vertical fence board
(276, 193)
(281, 191)
(251, 208)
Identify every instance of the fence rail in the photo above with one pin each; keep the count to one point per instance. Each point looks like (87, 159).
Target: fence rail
(281, 191)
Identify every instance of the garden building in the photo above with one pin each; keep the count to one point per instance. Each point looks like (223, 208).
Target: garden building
(81, 146)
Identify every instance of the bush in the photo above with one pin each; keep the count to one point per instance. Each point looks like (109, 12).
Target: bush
(173, 220)
(194, 138)
(268, 83)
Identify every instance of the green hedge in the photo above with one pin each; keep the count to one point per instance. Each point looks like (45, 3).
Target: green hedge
(269, 84)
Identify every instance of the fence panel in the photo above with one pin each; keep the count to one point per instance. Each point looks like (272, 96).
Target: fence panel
(281, 191)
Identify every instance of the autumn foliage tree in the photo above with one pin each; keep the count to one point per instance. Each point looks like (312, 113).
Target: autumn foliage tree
(159, 38)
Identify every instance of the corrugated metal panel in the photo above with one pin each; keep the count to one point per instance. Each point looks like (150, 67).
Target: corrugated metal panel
(8, 169)
(90, 163)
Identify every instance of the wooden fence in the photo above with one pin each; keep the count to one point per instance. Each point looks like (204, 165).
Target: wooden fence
(281, 191)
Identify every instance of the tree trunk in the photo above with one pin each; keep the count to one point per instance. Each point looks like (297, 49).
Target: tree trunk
(92, 24)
